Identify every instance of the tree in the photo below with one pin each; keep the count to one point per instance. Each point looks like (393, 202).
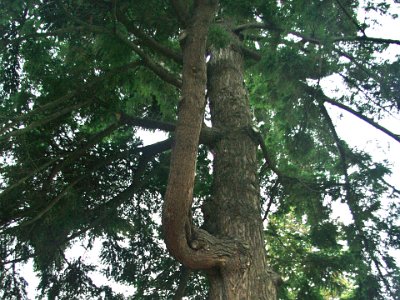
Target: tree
(245, 203)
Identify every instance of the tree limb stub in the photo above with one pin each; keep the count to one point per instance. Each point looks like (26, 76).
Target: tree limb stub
(207, 135)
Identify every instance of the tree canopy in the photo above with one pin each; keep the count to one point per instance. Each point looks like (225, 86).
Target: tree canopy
(81, 80)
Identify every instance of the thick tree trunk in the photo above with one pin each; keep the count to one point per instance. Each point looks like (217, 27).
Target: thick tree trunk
(194, 248)
(179, 194)
(233, 254)
(234, 210)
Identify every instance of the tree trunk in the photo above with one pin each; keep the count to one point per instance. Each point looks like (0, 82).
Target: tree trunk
(234, 210)
(177, 225)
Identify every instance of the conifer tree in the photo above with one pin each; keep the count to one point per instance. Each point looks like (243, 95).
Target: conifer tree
(237, 201)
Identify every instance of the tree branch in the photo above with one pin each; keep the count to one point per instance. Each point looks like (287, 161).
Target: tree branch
(145, 122)
(148, 62)
(182, 11)
(249, 53)
(137, 182)
(254, 25)
(271, 199)
(371, 122)
(259, 140)
(148, 152)
(183, 281)
(349, 197)
(63, 99)
(208, 135)
(339, 146)
(271, 27)
(76, 154)
(150, 42)
(359, 115)
(194, 248)
(352, 19)
(46, 120)
(367, 39)
(68, 157)
(156, 68)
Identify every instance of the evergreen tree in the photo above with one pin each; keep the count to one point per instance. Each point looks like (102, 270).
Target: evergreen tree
(236, 203)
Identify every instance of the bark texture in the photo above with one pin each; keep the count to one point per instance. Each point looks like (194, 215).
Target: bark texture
(234, 210)
(194, 248)
(232, 248)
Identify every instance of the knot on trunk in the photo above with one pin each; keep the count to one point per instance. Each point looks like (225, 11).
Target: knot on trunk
(227, 251)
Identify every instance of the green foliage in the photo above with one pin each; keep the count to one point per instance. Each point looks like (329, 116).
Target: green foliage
(218, 37)
(74, 172)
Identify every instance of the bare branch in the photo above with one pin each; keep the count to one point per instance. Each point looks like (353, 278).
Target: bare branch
(145, 122)
(314, 40)
(208, 135)
(359, 115)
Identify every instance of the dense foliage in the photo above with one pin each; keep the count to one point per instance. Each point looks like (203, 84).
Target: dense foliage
(80, 78)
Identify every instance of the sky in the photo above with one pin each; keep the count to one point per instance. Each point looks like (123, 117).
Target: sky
(354, 131)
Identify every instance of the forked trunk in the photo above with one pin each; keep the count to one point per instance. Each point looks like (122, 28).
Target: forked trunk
(234, 210)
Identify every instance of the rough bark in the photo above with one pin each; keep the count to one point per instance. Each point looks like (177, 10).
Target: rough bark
(234, 209)
(194, 248)
(233, 254)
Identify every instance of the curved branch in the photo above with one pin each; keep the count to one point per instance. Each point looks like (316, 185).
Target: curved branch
(194, 248)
